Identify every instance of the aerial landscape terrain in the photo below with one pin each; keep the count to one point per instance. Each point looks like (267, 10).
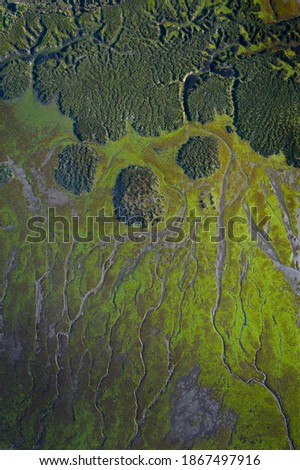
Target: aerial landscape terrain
(150, 224)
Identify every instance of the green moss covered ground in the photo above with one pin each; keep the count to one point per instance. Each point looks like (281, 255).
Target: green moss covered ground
(100, 335)
(109, 345)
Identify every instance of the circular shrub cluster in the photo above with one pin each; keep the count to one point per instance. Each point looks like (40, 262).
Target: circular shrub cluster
(77, 165)
(6, 173)
(199, 157)
(137, 199)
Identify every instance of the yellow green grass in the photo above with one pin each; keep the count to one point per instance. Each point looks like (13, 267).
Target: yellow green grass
(152, 313)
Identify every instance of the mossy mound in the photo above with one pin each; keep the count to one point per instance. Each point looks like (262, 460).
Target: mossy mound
(199, 157)
(77, 166)
(137, 198)
(6, 174)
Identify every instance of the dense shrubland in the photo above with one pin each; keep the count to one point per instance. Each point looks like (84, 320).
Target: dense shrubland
(14, 78)
(199, 157)
(77, 164)
(112, 62)
(137, 198)
(268, 107)
(6, 173)
(210, 95)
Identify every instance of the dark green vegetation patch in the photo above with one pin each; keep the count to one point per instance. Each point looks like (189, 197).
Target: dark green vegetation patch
(77, 166)
(268, 105)
(6, 173)
(155, 64)
(14, 78)
(211, 94)
(137, 198)
(199, 157)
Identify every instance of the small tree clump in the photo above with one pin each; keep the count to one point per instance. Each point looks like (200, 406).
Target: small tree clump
(137, 198)
(77, 166)
(199, 157)
(6, 174)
